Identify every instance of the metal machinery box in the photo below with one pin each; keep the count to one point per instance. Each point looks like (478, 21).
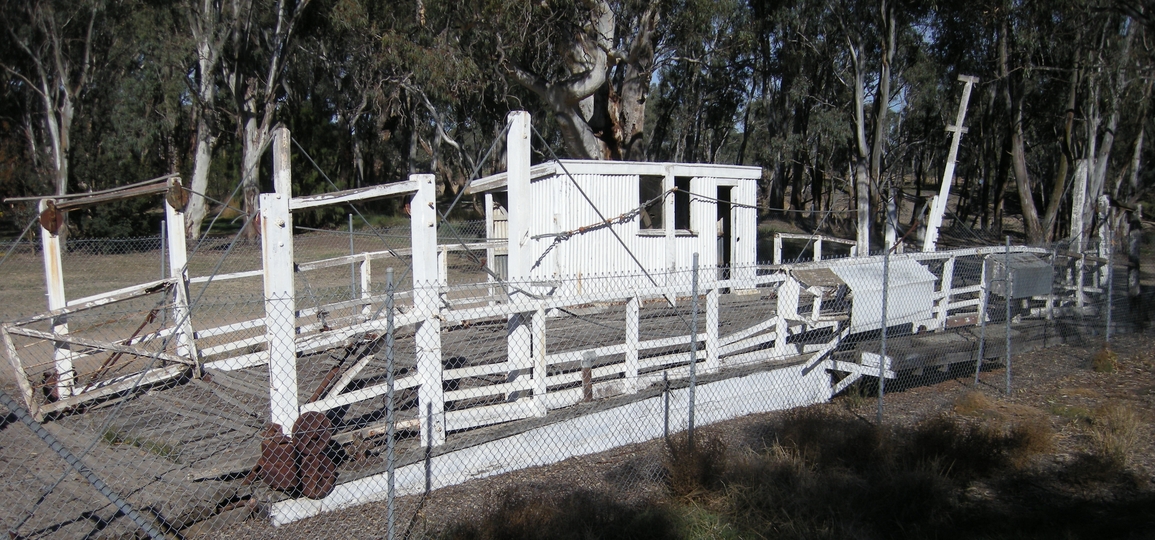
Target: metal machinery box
(1030, 276)
(910, 298)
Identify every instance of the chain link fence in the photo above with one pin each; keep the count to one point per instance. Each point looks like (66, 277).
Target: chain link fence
(185, 414)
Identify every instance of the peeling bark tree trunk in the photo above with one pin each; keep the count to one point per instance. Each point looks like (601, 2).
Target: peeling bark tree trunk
(55, 74)
(600, 116)
(256, 96)
(861, 155)
(209, 35)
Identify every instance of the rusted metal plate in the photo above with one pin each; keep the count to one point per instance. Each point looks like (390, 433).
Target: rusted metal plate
(51, 218)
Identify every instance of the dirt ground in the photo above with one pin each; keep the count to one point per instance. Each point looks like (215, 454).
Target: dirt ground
(1058, 386)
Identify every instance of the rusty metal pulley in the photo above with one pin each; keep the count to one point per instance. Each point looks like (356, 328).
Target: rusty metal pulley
(51, 218)
(177, 196)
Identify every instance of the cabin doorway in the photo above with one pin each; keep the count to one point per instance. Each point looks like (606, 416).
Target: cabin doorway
(724, 232)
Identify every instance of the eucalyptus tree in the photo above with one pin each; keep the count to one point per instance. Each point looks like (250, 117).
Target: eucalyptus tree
(588, 62)
(208, 26)
(262, 39)
(53, 46)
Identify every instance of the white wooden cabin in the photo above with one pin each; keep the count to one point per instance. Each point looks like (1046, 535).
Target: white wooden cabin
(707, 209)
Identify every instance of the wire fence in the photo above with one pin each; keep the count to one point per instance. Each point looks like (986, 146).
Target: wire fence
(150, 415)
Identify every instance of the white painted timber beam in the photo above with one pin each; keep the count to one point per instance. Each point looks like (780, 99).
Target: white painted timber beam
(353, 195)
(938, 206)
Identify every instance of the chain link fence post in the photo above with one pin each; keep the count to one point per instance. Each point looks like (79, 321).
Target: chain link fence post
(882, 363)
(1110, 251)
(390, 413)
(1008, 292)
(693, 349)
(352, 265)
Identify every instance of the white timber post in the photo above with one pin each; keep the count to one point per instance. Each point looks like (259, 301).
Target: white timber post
(632, 341)
(712, 363)
(490, 262)
(938, 205)
(519, 330)
(426, 301)
(540, 365)
(818, 248)
(777, 249)
(54, 284)
(668, 221)
(366, 287)
(945, 291)
(787, 310)
(280, 304)
(520, 206)
(178, 271)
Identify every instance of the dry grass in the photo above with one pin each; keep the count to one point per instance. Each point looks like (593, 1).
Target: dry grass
(578, 516)
(1115, 429)
(973, 403)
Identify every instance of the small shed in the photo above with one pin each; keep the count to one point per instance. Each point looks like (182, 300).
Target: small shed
(563, 217)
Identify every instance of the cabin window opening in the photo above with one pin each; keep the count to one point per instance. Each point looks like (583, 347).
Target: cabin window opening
(650, 187)
(682, 203)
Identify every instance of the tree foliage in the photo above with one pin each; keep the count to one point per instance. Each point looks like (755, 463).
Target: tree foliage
(836, 101)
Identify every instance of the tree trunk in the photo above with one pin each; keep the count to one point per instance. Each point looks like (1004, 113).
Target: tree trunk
(1066, 154)
(209, 34)
(202, 161)
(1014, 105)
(861, 156)
(1031, 223)
(882, 103)
(256, 139)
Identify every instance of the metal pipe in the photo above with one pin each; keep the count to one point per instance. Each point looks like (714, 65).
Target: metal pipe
(352, 266)
(1009, 289)
(1110, 280)
(588, 359)
(666, 406)
(882, 349)
(390, 414)
(693, 348)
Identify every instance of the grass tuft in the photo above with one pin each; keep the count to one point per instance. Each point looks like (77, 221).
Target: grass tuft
(696, 467)
(1105, 361)
(116, 438)
(973, 403)
(1115, 430)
